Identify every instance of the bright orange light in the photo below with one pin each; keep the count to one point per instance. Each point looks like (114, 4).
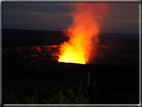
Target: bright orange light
(84, 29)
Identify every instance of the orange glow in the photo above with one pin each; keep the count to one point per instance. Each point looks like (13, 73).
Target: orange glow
(83, 33)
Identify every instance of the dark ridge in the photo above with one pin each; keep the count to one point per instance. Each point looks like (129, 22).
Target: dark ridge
(17, 37)
(14, 37)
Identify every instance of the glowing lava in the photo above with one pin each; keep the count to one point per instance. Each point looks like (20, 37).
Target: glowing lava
(83, 34)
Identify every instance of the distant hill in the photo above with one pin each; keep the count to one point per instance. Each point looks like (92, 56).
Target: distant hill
(118, 39)
(12, 37)
(15, 37)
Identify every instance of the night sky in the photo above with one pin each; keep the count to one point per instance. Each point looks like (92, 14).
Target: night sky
(123, 18)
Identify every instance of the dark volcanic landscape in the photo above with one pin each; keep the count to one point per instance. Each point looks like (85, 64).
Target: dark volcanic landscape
(42, 45)
(29, 62)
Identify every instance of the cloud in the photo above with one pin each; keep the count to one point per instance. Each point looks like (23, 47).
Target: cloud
(39, 7)
(56, 16)
(36, 15)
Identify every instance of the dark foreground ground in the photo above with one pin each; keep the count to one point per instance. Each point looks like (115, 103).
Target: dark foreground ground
(108, 84)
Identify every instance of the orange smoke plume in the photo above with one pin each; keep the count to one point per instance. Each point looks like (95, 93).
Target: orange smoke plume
(83, 33)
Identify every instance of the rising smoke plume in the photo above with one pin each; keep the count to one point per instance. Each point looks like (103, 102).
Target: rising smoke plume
(83, 33)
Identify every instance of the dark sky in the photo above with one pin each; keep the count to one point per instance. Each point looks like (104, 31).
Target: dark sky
(124, 17)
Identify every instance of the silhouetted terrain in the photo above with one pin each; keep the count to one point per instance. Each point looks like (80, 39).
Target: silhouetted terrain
(29, 62)
(12, 37)
(31, 37)
(44, 45)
